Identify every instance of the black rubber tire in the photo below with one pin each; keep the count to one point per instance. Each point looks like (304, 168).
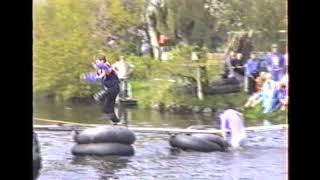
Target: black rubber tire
(222, 89)
(106, 134)
(36, 162)
(36, 167)
(188, 142)
(213, 138)
(103, 149)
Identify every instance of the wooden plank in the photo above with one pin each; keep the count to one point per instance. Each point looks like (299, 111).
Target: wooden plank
(161, 130)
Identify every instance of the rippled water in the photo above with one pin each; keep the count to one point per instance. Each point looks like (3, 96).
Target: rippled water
(264, 158)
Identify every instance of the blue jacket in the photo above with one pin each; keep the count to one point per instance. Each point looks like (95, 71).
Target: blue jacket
(251, 67)
(275, 61)
(110, 80)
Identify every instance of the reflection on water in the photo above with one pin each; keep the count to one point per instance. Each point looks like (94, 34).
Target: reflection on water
(264, 158)
(154, 159)
(82, 113)
(91, 113)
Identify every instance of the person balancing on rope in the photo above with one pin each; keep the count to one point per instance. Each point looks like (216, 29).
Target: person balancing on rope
(232, 126)
(110, 86)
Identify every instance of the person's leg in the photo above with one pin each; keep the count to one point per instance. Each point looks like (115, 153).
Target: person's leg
(251, 100)
(109, 103)
(100, 96)
(121, 94)
(246, 83)
(250, 89)
(125, 88)
(268, 105)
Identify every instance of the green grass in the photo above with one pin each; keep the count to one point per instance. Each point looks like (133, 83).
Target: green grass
(149, 92)
(141, 91)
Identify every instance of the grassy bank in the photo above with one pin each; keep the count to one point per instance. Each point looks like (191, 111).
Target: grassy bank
(158, 91)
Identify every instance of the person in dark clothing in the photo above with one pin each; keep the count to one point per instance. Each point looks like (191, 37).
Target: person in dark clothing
(228, 68)
(251, 73)
(110, 83)
(110, 87)
(238, 63)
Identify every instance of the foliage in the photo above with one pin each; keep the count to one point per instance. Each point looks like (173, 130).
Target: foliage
(207, 22)
(159, 91)
(68, 33)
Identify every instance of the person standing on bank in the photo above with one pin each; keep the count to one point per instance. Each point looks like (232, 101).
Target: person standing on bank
(251, 72)
(111, 89)
(276, 63)
(123, 70)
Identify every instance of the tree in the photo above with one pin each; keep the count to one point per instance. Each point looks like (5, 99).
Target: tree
(68, 33)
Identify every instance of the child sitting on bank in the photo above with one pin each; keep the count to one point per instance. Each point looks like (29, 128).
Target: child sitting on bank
(255, 98)
(267, 94)
(280, 97)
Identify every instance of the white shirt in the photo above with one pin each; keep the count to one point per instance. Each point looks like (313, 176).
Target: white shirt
(123, 69)
(234, 118)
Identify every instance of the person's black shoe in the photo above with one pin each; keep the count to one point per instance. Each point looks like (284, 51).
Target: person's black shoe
(115, 120)
(113, 117)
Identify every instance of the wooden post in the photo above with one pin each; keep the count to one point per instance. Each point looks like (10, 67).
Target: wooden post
(152, 31)
(199, 84)
(194, 57)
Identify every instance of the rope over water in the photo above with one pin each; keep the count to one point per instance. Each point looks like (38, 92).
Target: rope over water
(168, 130)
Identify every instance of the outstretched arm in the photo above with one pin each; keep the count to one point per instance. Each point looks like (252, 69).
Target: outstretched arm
(106, 68)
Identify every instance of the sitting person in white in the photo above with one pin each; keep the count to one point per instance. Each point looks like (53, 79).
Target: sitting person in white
(231, 121)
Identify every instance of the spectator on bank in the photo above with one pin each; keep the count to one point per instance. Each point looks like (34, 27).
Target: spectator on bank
(262, 63)
(279, 97)
(275, 63)
(228, 70)
(256, 97)
(267, 94)
(123, 70)
(237, 64)
(251, 72)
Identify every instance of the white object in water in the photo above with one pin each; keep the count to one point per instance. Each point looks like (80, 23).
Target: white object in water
(236, 125)
(266, 123)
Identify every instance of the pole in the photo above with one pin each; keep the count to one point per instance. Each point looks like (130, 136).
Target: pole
(194, 57)
(199, 84)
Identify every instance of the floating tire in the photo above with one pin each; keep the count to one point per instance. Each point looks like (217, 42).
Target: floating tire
(106, 134)
(36, 163)
(103, 149)
(213, 138)
(202, 143)
(222, 89)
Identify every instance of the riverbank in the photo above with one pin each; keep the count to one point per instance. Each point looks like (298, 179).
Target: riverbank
(159, 96)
